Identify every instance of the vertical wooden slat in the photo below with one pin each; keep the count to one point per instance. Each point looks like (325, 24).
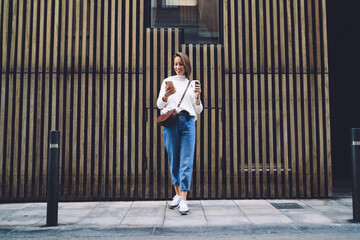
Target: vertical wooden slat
(9, 133)
(75, 101)
(140, 141)
(242, 135)
(112, 130)
(213, 120)
(247, 36)
(198, 127)
(296, 36)
(119, 117)
(321, 135)
(4, 95)
(282, 36)
(306, 135)
(104, 115)
(285, 135)
(37, 120)
(134, 97)
(264, 120)
(284, 94)
(254, 36)
(235, 134)
(303, 37)
(240, 32)
(27, 36)
(324, 36)
(133, 140)
(256, 134)
(169, 67)
(126, 98)
(39, 102)
(155, 127)
(292, 154)
(261, 37)
(256, 102)
(84, 28)
(249, 136)
(271, 136)
(61, 79)
(82, 145)
(278, 135)
(24, 132)
(314, 157)
(13, 38)
(90, 109)
(234, 100)
(119, 141)
(18, 163)
(176, 49)
(5, 32)
(220, 114)
(46, 85)
(191, 59)
(275, 37)
(148, 106)
(300, 182)
(97, 160)
(227, 140)
(270, 99)
(310, 43)
(77, 18)
(97, 174)
(232, 34)
(205, 114)
(162, 151)
(300, 136)
(141, 100)
(226, 38)
(292, 136)
(262, 97)
(67, 133)
(328, 135)
(67, 153)
(25, 97)
(318, 49)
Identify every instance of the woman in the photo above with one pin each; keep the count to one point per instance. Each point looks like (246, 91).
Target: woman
(179, 138)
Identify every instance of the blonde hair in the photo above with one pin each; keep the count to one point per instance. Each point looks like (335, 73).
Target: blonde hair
(185, 60)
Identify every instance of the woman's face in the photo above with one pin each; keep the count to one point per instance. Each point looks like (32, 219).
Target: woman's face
(179, 66)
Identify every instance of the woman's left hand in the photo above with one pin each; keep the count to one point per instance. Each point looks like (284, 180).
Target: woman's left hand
(197, 90)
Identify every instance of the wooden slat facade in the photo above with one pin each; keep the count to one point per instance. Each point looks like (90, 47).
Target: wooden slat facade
(93, 69)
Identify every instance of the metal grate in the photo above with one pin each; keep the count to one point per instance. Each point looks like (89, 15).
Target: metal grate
(287, 206)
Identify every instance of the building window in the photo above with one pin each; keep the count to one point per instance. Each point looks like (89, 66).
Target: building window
(198, 18)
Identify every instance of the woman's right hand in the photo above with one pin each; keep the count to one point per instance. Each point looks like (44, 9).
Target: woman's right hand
(168, 92)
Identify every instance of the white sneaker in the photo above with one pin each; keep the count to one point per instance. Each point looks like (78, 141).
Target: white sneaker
(184, 208)
(175, 202)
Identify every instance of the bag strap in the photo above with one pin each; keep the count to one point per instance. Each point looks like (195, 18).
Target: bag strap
(184, 94)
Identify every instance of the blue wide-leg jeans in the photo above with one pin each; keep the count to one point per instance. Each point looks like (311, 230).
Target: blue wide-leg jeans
(179, 140)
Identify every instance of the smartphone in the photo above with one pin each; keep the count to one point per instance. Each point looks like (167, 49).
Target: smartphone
(169, 84)
(197, 82)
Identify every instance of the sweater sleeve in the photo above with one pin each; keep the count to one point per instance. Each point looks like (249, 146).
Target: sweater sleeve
(160, 103)
(198, 108)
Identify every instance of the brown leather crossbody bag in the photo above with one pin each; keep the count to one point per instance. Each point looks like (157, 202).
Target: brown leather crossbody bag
(169, 117)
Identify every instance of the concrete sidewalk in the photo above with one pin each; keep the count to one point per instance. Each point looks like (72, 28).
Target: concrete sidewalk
(154, 218)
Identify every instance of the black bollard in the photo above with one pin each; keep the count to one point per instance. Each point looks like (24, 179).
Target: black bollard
(355, 160)
(53, 179)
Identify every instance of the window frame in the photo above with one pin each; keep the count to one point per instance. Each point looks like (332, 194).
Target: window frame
(147, 21)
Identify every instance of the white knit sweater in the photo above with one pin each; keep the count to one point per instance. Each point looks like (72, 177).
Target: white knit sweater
(188, 103)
